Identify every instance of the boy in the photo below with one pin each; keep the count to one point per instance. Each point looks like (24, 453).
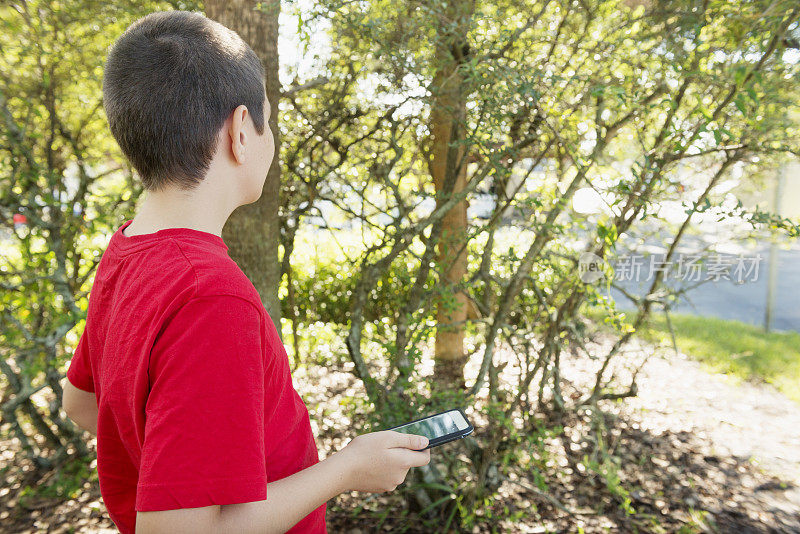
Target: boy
(180, 371)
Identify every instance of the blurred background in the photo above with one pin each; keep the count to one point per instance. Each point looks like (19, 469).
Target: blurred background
(577, 220)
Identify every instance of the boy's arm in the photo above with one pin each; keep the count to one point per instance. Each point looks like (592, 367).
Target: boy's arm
(375, 462)
(204, 454)
(81, 407)
(288, 501)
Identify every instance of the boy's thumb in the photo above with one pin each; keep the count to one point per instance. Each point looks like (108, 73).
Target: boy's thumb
(407, 441)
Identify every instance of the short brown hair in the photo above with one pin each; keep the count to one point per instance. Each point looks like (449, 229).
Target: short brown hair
(170, 82)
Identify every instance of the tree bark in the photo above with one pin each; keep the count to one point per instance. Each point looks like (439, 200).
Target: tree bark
(448, 165)
(253, 231)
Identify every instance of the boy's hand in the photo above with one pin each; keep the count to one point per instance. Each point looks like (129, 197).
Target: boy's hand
(379, 461)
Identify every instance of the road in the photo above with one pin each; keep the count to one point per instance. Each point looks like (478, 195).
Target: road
(726, 299)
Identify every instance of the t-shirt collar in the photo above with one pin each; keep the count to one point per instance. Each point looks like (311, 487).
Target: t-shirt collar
(124, 242)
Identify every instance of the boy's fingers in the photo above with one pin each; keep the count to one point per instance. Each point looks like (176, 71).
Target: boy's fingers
(408, 441)
(418, 458)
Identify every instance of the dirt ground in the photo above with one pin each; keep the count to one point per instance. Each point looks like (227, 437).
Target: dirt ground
(697, 452)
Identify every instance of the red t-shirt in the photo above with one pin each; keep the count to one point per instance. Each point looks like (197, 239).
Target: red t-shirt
(194, 391)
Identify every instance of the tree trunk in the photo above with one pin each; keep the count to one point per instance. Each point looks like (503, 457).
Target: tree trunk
(252, 232)
(448, 166)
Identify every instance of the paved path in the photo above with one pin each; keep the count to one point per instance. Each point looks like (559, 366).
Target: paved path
(749, 420)
(677, 394)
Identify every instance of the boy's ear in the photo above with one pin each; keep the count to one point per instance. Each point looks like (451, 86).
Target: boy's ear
(237, 134)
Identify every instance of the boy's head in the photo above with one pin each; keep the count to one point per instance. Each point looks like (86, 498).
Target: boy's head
(171, 82)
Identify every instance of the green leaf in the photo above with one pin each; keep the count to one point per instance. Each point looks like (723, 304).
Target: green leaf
(739, 74)
(434, 485)
(739, 101)
(436, 503)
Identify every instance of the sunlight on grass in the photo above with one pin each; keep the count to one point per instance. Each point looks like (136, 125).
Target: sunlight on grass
(737, 348)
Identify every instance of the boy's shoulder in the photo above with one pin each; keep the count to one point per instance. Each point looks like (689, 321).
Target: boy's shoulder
(215, 272)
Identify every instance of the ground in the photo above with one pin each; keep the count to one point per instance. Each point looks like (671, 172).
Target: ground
(697, 452)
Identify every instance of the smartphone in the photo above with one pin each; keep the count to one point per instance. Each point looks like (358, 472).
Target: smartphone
(439, 428)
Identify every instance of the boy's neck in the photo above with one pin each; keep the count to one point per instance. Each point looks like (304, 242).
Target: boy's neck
(173, 208)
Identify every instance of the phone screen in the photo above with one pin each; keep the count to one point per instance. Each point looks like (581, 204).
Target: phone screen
(433, 427)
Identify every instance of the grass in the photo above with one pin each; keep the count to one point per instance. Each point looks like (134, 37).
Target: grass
(737, 348)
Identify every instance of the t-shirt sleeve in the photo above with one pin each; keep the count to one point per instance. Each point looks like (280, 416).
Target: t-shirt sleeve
(204, 415)
(80, 370)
